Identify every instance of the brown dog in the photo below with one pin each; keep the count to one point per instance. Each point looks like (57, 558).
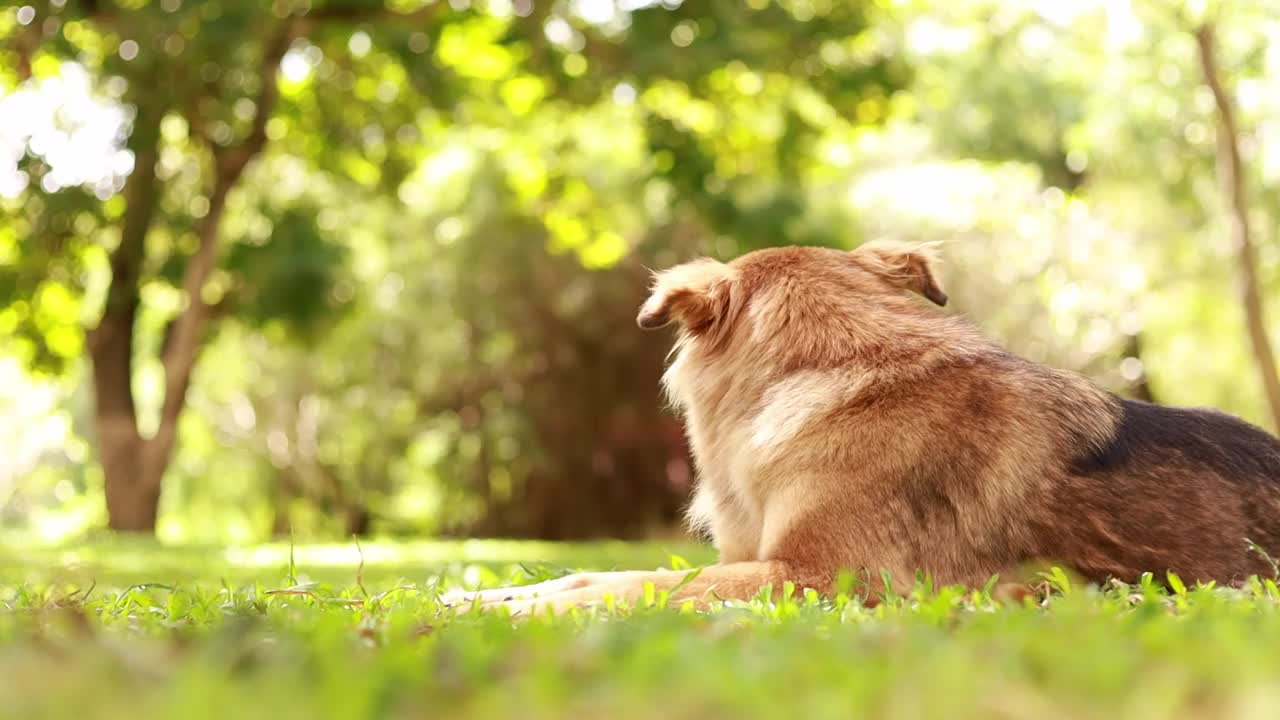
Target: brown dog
(840, 423)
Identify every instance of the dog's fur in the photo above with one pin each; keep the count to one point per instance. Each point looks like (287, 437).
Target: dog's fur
(840, 422)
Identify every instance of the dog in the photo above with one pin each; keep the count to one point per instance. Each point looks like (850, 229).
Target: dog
(840, 421)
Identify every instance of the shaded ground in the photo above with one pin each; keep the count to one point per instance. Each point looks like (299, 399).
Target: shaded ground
(124, 562)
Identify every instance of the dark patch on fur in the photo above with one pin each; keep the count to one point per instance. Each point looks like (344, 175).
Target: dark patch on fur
(928, 500)
(1231, 447)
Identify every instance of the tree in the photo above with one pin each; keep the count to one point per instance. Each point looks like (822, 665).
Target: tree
(160, 57)
(204, 86)
(1231, 168)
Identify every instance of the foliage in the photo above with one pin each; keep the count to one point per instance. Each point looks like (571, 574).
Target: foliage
(270, 643)
(1107, 102)
(536, 122)
(366, 88)
(421, 311)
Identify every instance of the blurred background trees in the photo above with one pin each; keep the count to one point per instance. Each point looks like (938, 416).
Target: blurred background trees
(371, 267)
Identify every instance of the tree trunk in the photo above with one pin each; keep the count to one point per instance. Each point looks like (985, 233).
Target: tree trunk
(1231, 168)
(133, 467)
(357, 521)
(131, 502)
(133, 506)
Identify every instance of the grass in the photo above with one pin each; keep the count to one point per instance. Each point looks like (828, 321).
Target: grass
(130, 629)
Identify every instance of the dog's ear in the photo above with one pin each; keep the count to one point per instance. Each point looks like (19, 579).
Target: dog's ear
(699, 295)
(904, 265)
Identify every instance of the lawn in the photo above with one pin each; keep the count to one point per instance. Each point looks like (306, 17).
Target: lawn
(130, 629)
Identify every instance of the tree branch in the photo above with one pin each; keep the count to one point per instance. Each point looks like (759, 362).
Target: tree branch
(1231, 169)
(179, 354)
(26, 40)
(231, 162)
(351, 15)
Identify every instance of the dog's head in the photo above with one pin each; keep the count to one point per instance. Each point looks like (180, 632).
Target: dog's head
(707, 299)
